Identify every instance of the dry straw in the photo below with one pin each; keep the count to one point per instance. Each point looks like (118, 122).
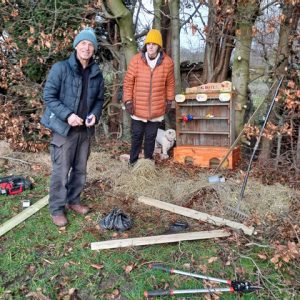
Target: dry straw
(147, 179)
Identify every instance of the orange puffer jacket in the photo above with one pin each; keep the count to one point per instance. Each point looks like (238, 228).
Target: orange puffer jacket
(148, 90)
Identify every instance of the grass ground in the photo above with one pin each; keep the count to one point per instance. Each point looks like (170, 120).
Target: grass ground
(39, 261)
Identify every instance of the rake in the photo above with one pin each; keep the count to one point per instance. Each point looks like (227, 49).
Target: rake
(237, 213)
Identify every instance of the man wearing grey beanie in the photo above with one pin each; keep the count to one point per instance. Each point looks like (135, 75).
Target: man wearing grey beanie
(73, 95)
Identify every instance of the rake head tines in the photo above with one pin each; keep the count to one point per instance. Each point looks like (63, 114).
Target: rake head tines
(236, 213)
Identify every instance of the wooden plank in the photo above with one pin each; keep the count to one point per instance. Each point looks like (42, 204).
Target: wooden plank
(26, 213)
(159, 239)
(195, 214)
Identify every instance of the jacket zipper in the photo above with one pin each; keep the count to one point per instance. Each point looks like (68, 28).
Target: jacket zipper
(150, 94)
(151, 71)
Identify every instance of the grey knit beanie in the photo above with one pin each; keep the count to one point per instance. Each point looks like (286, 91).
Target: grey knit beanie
(86, 34)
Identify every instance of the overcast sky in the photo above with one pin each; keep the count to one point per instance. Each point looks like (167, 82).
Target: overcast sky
(187, 38)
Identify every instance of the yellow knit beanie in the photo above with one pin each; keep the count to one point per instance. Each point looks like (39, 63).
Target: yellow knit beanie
(154, 36)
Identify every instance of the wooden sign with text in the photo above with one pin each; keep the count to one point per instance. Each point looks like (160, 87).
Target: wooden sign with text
(215, 87)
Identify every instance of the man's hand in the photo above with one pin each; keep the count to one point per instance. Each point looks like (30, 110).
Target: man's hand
(129, 107)
(90, 120)
(168, 106)
(74, 120)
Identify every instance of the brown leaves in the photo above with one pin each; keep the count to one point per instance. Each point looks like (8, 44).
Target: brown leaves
(194, 28)
(9, 73)
(18, 128)
(114, 295)
(129, 268)
(38, 295)
(97, 266)
(14, 13)
(212, 259)
(270, 130)
(285, 253)
(262, 256)
(255, 31)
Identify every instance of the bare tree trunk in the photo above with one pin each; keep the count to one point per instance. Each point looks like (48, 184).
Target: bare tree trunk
(125, 23)
(157, 14)
(114, 119)
(174, 48)
(290, 15)
(298, 152)
(175, 42)
(247, 14)
(165, 26)
(219, 40)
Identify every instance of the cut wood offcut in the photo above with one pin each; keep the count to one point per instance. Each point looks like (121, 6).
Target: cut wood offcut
(196, 214)
(159, 239)
(8, 225)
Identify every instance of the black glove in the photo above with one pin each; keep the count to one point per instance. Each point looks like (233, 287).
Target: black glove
(168, 106)
(129, 107)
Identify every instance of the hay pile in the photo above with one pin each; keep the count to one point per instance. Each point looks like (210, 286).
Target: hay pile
(163, 183)
(146, 179)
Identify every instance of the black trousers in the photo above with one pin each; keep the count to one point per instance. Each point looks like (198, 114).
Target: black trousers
(140, 131)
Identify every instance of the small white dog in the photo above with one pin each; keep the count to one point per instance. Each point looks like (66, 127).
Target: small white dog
(165, 139)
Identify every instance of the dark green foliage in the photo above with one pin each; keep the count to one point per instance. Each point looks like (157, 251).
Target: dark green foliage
(31, 23)
(35, 72)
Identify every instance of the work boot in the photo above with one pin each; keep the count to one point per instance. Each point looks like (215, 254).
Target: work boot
(60, 220)
(78, 208)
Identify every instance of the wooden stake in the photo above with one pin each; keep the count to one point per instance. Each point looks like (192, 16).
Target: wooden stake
(26, 213)
(195, 214)
(159, 239)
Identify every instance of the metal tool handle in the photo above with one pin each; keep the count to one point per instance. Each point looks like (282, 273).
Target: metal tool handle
(160, 267)
(257, 143)
(173, 271)
(157, 293)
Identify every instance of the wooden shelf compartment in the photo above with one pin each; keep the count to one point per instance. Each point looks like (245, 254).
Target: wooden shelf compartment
(203, 132)
(206, 118)
(204, 104)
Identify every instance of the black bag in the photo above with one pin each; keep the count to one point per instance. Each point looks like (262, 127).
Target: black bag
(116, 220)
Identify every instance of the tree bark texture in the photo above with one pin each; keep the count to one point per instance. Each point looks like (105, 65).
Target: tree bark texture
(290, 18)
(288, 28)
(165, 27)
(125, 23)
(246, 14)
(157, 14)
(175, 42)
(298, 152)
(219, 40)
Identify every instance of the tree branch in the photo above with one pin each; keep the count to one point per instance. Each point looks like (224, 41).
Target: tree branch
(191, 16)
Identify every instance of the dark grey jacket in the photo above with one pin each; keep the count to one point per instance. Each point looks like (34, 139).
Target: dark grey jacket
(62, 94)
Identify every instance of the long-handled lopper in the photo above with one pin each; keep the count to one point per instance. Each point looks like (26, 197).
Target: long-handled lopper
(233, 285)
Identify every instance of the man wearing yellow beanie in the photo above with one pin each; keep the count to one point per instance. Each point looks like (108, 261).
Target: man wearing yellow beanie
(149, 89)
